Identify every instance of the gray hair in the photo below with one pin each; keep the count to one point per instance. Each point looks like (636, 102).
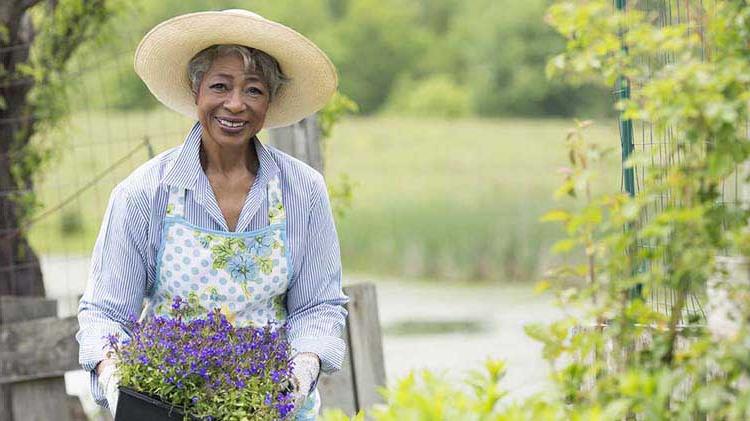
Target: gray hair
(255, 61)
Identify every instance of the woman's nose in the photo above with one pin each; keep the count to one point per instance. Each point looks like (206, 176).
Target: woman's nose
(234, 102)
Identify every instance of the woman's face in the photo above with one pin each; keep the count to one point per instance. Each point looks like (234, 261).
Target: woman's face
(232, 104)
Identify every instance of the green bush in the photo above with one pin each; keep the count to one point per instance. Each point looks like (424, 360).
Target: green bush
(375, 42)
(634, 354)
(426, 396)
(435, 96)
(504, 46)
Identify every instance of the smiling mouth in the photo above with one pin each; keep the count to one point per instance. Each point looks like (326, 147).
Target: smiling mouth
(231, 124)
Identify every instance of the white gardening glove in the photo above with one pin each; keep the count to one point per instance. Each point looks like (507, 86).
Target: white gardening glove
(109, 379)
(304, 373)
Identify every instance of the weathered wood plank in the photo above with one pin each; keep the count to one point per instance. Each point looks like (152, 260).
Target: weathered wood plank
(337, 389)
(16, 309)
(300, 140)
(41, 400)
(365, 344)
(5, 402)
(37, 349)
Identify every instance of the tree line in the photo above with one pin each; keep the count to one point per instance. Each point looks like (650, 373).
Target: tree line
(438, 58)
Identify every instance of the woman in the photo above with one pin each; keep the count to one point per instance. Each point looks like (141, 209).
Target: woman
(236, 73)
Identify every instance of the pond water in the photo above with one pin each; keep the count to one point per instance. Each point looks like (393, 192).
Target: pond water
(500, 310)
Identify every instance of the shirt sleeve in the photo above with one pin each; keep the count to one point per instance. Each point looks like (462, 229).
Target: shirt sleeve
(315, 301)
(116, 285)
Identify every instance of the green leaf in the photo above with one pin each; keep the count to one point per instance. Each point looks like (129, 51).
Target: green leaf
(564, 246)
(555, 215)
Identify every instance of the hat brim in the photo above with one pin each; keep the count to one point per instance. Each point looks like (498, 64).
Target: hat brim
(162, 57)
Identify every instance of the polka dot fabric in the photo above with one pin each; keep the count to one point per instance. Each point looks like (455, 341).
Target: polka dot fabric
(244, 274)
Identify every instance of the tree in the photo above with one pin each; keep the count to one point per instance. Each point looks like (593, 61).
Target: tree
(37, 39)
(372, 45)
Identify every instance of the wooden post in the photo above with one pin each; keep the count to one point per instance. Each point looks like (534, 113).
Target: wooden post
(36, 349)
(365, 344)
(337, 391)
(301, 140)
(355, 387)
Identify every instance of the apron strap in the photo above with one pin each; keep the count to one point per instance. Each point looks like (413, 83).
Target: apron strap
(176, 203)
(276, 212)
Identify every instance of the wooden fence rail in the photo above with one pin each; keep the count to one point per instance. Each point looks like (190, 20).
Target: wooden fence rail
(37, 348)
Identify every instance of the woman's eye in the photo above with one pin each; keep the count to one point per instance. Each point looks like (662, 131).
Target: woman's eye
(254, 91)
(218, 87)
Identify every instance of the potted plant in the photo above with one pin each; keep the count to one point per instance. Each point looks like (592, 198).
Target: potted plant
(194, 364)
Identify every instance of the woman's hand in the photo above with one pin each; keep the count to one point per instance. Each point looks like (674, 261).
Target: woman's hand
(109, 379)
(304, 373)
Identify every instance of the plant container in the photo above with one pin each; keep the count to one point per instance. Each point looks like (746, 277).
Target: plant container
(135, 406)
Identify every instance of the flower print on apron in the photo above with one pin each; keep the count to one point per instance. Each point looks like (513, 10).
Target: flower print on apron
(246, 274)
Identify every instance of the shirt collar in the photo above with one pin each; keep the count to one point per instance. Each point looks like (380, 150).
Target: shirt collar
(186, 167)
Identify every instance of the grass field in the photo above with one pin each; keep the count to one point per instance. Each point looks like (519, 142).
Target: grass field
(432, 199)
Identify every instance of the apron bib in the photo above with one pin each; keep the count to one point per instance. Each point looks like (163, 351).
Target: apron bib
(246, 274)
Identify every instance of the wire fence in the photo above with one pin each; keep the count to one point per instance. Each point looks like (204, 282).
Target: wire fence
(98, 142)
(661, 146)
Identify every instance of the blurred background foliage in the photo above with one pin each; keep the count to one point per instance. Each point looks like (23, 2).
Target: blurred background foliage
(449, 162)
(441, 58)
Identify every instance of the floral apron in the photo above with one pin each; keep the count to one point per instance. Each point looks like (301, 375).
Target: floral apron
(246, 274)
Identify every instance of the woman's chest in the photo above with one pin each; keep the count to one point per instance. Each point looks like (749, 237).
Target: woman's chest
(198, 213)
(245, 274)
(230, 197)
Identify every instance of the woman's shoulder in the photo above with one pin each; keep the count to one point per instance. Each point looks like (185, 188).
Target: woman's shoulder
(145, 180)
(294, 172)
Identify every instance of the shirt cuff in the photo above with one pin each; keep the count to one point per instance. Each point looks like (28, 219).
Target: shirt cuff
(329, 349)
(91, 353)
(96, 390)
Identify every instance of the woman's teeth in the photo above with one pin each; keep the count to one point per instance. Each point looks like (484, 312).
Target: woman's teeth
(230, 123)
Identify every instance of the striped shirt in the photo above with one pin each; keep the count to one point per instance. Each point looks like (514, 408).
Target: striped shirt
(123, 266)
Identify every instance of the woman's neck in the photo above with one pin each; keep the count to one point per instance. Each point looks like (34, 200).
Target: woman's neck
(229, 161)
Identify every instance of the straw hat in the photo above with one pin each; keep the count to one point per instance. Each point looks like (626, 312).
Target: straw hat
(162, 57)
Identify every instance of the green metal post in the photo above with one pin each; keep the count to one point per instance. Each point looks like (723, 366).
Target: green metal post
(626, 140)
(626, 126)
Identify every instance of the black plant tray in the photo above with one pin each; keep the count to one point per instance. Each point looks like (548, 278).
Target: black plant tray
(135, 406)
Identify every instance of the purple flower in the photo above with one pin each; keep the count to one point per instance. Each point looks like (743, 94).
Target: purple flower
(205, 357)
(113, 340)
(176, 302)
